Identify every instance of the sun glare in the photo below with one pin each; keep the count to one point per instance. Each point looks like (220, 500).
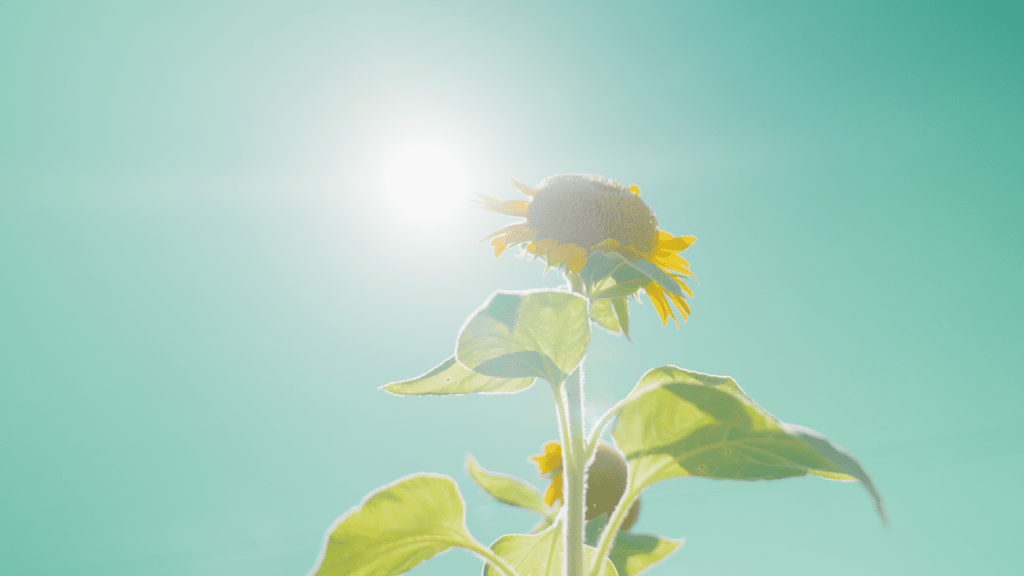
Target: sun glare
(425, 180)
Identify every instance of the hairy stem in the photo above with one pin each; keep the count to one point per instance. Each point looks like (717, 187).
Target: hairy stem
(489, 556)
(611, 529)
(573, 463)
(595, 434)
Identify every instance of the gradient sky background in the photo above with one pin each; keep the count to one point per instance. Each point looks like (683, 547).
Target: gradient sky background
(206, 273)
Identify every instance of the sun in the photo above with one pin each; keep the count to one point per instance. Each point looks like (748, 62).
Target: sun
(425, 179)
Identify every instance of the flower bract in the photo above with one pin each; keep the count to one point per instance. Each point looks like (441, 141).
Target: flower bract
(569, 217)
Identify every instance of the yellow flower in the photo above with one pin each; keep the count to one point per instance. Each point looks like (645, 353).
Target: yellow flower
(571, 216)
(606, 481)
(548, 462)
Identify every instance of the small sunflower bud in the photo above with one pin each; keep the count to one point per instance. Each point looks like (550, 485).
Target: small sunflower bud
(606, 482)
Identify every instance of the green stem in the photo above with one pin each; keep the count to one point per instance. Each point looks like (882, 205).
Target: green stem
(573, 464)
(611, 529)
(563, 421)
(595, 435)
(489, 555)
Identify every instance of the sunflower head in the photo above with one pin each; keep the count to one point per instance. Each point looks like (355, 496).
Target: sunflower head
(571, 217)
(587, 210)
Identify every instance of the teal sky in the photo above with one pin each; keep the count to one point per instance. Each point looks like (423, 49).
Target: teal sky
(206, 274)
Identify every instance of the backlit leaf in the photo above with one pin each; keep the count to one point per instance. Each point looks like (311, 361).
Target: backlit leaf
(540, 554)
(633, 553)
(681, 423)
(526, 334)
(395, 528)
(652, 272)
(602, 312)
(621, 307)
(450, 377)
(507, 489)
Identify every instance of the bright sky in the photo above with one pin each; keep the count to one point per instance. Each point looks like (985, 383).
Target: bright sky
(425, 180)
(224, 225)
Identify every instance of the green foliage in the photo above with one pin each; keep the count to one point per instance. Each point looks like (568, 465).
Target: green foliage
(450, 377)
(602, 312)
(621, 308)
(508, 489)
(540, 554)
(526, 334)
(609, 277)
(612, 315)
(681, 423)
(633, 553)
(397, 527)
(652, 272)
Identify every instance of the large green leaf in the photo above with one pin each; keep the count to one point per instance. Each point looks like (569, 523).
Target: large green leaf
(633, 553)
(508, 489)
(681, 423)
(396, 527)
(526, 334)
(450, 377)
(540, 554)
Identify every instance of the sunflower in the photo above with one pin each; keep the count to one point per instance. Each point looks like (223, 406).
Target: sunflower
(570, 217)
(606, 481)
(550, 463)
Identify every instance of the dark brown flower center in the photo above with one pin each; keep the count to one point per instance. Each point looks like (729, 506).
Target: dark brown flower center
(586, 210)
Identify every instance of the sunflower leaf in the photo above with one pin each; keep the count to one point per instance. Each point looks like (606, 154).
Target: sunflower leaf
(602, 312)
(598, 268)
(395, 528)
(681, 423)
(653, 272)
(633, 553)
(450, 377)
(621, 307)
(540, 554)
(623, 280)
(508, 489)
(526, 334)
(610, 290)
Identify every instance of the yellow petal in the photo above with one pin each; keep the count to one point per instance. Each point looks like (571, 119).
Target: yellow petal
(634, 189)
(577, 258)
(657, 296)
(554, 491)
(523, 234)
(498, 249)
(606, 245)
(684, 308)
(546, 243)
(504, 230)
(507, 207)
(523, 187)
(673, 262)
(551, 459)
(679, 280)
(559, 253)
(674, 244)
